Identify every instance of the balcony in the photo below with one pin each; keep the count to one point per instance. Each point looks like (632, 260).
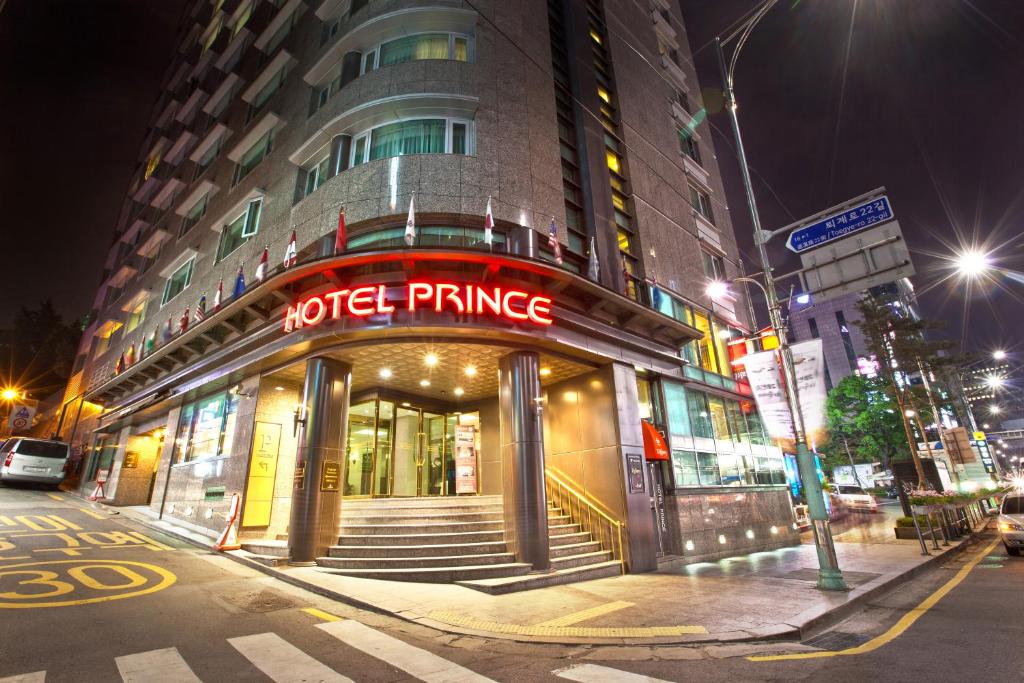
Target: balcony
(675, 74)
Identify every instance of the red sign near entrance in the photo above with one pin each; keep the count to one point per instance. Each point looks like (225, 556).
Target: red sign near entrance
(655, 447)
(441, 297)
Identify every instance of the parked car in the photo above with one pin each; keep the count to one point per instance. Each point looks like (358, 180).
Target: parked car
(1011, 523)
(38, 461)
(856, 499)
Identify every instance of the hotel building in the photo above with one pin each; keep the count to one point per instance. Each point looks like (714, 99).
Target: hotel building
(502, 412)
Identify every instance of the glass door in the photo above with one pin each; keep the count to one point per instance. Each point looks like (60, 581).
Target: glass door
(432, 476)
(408, 458)
(359, 453)
(382, 463)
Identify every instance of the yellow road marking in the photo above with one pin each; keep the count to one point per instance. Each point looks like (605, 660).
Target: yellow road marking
(905, 622)
(7, 521)
(45, 577)
(157, 545)
(54, 496)
(16, 557)
(569, 631)
(61, 520)
(90, 513)
(320, 614)
(584, 615)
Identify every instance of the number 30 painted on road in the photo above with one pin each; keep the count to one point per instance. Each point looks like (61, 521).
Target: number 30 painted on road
(20, 583)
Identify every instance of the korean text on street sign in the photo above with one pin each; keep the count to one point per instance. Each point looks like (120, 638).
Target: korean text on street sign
(839, 225)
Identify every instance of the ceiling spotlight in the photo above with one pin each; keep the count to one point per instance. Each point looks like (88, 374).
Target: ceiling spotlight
(278, 388)
(470, 371)
(430, 360)
(424, 382)
(459, 391)
(544, 372)
(406, 404)
(385, 373)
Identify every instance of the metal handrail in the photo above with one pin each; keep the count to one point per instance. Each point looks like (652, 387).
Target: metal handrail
(581, 510)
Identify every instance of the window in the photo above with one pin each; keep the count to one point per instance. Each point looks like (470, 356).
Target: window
(253, 157)
(688, 145)
(707, 466)
(714, 266)
(700, 415)
(194, 215)
(701, 203)
(316, 176)
(178, 281)
(844, 333)
(264, 95)
(812, 325)
(282, 33)
(206, 428)
(237, 232)
(427, 236)
(684, 469)
(135, 316)
(212, 31)
(242, 20)
(453, 46)
(422, 136)
(207, 159)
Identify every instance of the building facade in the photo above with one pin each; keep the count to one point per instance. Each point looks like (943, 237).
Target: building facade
(420, 357)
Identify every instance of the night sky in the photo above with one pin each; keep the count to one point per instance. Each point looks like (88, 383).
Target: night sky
(836, 98)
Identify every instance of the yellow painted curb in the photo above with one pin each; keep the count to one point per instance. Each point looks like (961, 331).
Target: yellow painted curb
(566, 631)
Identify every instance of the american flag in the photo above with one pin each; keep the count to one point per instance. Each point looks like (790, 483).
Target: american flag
(201, 309)
(553, 242)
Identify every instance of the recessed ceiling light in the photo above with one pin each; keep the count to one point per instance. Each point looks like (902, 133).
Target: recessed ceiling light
(459, 391)
(470, 371)
(278, 388)
(406, 404)
(430, 360)
(544, 372)
(424, 382)
(385, 373)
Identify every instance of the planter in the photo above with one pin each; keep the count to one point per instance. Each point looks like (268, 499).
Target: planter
(908, 533)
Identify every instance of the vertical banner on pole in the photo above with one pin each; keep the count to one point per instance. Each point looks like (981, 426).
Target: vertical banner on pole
(809, 364)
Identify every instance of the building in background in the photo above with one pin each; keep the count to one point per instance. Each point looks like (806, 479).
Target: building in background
(420, 359)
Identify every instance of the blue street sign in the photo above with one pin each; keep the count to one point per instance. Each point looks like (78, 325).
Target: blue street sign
(840, 225)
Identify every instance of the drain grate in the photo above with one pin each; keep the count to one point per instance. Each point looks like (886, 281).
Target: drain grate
(259, 601)
(837, 640)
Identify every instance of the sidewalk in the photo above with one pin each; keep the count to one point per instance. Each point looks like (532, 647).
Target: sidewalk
(763, 596)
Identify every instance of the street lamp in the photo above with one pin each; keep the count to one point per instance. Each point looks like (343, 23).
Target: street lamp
(994, 409)
(995, 381)
(999, 354)
(9, 394)
(829, 575)
(972, 263)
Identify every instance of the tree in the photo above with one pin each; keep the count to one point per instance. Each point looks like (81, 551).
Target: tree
(901, 349)
(864, 416)
(40, 349)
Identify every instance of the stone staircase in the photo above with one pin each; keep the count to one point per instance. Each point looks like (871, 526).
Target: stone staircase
(449, 540)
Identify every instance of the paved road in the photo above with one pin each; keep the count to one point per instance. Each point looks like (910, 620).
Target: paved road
(89, 596)
(868, 527)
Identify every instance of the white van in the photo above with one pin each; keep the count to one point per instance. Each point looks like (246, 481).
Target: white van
(37, 461)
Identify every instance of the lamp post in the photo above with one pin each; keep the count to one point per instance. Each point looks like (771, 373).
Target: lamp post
(829, 575)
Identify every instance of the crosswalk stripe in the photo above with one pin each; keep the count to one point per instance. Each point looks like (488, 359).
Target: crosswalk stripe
(415, 661)
(594, 673)
(156, 666)
(282, 662)
(35, 677)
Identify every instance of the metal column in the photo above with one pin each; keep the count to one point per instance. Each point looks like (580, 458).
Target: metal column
(323, 423)
(522, 456)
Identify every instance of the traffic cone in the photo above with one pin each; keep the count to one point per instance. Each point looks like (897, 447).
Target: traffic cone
(98, 492)
(228, 540)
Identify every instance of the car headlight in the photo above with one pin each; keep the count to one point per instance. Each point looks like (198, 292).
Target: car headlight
(1010, 526)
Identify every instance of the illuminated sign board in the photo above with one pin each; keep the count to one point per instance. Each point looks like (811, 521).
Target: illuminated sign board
(508, 303)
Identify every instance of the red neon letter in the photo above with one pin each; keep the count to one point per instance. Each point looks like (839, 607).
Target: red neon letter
(493, 303)
(539, 310)
(419, 291)
(506, 305)
(452, 295)
(360, 301)
(293, 318)
(382, 304)
(335, 299)
(321, 310)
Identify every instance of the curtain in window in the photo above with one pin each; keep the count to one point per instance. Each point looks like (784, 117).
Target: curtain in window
(412, 48)
(408, 137)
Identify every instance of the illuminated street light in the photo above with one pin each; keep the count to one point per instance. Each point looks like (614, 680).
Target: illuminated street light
(9, 394)
(717, 289)
(995, 381)
(972, 263)
(909, 413)
(994, 409)
(999, 354)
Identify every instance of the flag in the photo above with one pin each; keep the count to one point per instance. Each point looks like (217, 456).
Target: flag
(410, 223)
(290, 255)
(129, 358)
(119, 367)
(168, 331)
(655, 294)
(340, 237)
(593, 267)
(201, 309)
(261, 269)
(488, 224)
(553, 242)
(239, 282)
(150, 343)
(626, 278)
(183, 322)
(218, 295)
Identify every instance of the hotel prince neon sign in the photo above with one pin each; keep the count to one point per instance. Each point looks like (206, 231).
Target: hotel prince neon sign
(507, 303)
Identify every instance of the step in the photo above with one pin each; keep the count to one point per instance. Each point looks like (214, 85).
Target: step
(566, 539)
(422, 539)
(387, 517)
(419, 528)
(433, 503)
(439, 574)
(556, 551)
(570, 561)
(558, 519)
(415, 562)
(272, 548)
(562, 529)
(449, 550)
(513, 584)
(268, 560)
